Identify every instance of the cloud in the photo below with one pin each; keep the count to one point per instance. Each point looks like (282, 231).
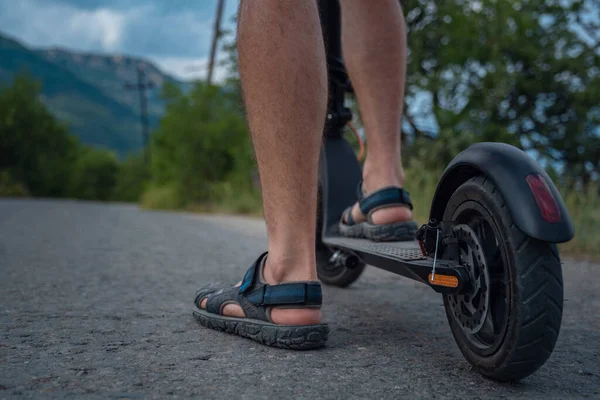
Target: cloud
(174, 33)
(146, 28)
(100, 26)
(47, 23)
(191, 68)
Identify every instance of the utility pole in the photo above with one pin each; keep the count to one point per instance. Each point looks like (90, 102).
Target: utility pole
(141, 87)
(216, 35)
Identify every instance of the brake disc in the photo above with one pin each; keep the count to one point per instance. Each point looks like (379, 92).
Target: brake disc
(470, 309)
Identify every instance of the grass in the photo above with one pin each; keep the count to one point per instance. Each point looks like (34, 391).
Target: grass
(249, 204)
(583, 206)
(421, 187)
(9, 187)
(225, 199)
(161, 198)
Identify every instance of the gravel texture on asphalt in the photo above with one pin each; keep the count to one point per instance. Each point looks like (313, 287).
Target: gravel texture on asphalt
(96, 302)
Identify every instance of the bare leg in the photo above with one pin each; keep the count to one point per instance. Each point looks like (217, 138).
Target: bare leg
(374, 46)
(284, 79)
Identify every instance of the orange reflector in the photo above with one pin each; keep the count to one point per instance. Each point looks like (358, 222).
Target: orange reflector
(444, 280)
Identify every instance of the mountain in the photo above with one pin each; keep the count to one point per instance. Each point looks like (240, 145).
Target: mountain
(87, 92)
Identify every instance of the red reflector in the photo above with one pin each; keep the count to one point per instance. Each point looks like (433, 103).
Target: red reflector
(422, 248)
(543, 197)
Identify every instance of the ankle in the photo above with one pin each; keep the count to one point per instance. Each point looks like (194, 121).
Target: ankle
(377, 178)
(280, 269)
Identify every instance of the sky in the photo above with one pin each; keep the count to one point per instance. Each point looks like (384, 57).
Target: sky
(175, 34)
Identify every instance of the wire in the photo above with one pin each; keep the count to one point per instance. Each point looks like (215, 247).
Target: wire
(361, 143)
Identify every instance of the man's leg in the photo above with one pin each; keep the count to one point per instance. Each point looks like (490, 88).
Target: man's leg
(284, 80)
(374, 47)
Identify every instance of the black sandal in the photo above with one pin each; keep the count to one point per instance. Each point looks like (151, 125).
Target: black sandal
(383, 198)
(257, 298)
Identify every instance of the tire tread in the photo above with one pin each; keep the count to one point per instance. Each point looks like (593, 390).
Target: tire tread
(537, 295)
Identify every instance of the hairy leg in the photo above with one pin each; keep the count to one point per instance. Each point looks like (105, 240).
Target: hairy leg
(374, 46)
(284, 80)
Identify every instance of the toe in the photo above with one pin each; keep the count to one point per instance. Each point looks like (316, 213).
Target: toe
(355, 213)
(233, 310)
(201, 296)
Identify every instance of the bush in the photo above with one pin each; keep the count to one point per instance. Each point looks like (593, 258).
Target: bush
(9, 187)
(584, 208)
(35, 149)
(162, 198)
(132, 178)
(229, 197)
(94, 175)
(201, 142)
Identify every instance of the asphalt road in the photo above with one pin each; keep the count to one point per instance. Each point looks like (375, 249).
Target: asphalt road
(95, 302)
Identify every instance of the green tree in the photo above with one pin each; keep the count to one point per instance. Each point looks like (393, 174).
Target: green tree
(523, 72)
(94, 175)
(201, 142)
(35, 149)
(131, 180)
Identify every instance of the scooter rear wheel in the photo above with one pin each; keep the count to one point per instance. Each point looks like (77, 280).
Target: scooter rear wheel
(329, 271)
(508, 324)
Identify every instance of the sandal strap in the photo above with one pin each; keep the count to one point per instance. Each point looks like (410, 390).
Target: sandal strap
(289, 293)
(385, 197)
(250, 277)
(347, 217)
(255, 296)
(360, 193)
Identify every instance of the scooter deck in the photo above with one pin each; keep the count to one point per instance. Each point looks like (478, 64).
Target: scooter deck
(400, 251)
(402, 258)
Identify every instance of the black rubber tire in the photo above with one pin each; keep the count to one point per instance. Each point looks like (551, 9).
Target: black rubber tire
(327, 273)
(535, 286)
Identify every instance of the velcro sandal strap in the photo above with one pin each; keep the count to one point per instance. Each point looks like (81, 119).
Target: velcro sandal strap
(256, 297)
(385, 197)
(250, 277)
(287, 294)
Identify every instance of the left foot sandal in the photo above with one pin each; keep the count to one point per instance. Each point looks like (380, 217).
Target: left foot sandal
(256, 298)
(383, 198)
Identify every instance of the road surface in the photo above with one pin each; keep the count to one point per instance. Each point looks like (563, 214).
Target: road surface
(95, 302)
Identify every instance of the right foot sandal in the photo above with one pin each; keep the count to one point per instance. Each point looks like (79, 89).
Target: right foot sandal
(256, 298)
(383, 198)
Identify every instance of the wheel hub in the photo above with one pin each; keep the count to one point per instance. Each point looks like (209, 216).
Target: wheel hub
(470, 309)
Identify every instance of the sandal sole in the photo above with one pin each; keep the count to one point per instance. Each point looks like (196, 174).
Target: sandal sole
(395, 232)
(292, 337)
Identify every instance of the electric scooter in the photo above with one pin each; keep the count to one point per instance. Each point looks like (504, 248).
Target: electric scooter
(489, 247)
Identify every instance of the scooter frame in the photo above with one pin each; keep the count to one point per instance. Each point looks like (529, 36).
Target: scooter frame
(530, 195)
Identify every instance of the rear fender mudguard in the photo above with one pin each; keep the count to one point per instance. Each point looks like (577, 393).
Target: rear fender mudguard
(508, 167)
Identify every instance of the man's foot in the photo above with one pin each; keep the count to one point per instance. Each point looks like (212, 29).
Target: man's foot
(283, 315)
(381, 214)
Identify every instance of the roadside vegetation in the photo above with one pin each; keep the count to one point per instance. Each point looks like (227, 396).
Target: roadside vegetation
(514, 72)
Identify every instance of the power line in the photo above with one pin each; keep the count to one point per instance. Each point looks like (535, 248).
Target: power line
(141, 87)
(216, 35)
(204, 66)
